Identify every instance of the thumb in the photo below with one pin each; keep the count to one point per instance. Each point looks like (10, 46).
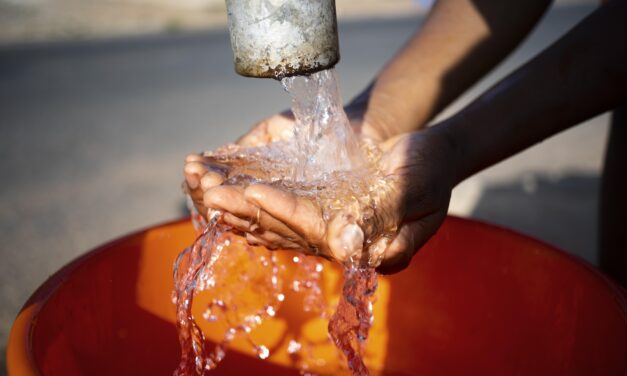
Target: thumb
(408, 241)
(345, 238)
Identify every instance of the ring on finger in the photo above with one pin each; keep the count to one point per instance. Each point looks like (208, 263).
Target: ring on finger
(254, 222)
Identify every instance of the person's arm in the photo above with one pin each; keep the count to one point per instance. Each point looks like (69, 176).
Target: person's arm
(580, 76)
(583, 74)
(460, 41)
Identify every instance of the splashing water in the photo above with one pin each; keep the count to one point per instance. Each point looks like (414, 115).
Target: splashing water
(324, 162)
(353, 318)
(203, 267)
(322, 133)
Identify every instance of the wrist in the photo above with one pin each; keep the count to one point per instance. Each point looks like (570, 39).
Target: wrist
(376, 118)
(389, 107)
(363, 122)
(455, 156)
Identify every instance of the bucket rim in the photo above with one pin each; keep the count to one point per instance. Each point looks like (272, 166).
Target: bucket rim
(19, 354)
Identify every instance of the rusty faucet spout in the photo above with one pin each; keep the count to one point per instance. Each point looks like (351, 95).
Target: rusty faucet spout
(281, 38)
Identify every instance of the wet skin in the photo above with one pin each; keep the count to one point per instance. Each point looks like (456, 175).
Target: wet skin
(551, 93)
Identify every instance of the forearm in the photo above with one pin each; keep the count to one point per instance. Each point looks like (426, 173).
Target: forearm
(580, 76)
(459, 42)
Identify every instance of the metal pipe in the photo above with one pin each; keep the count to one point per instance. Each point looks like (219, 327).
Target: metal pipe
(280, 38)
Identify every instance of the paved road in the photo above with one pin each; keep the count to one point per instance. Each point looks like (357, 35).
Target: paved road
(92, 137)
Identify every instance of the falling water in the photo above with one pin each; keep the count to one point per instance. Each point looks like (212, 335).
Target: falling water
(324, 162)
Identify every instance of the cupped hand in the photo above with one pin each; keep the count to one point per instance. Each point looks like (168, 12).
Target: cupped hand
(201, 175)
(419, 168)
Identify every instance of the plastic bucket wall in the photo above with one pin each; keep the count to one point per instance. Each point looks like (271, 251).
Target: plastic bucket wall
(477, 299)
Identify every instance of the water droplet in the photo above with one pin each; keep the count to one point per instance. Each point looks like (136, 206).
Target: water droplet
(263, 352)
(211, 282)
(270, 311)
(293, 347)
(280, 297)
(219, 354)
(229, 335)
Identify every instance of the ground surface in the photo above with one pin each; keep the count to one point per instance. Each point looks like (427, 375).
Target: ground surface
(92, 138)
(54, 20)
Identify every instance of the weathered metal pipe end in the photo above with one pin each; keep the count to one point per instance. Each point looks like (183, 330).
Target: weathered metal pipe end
(281, 38)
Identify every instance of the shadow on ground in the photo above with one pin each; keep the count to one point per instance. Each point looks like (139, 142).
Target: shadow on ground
(561, 210)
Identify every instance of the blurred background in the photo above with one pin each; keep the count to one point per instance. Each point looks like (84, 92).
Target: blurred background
(100, 101)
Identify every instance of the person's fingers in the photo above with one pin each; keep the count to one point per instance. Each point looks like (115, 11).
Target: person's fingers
(299, 214)
(193, 171)
(376, 250)
(345, 238)
(236, 222)
(257, 136)
(198, 167)
(211, 179)
(254, 240)
(281, 127)
(231, 199)
(200, 175)
(399, 253)
(270, 241)
(409, 239)
(277, 241)
(275, 128)
(267, 222)
(194, 157)
(269, 237)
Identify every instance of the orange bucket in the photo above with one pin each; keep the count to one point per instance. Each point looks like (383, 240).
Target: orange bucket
(477, 299)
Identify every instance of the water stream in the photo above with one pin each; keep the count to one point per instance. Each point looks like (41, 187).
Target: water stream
(324, 162)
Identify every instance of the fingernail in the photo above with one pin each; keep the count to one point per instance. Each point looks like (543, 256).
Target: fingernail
(349, 243)
(352, 239)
